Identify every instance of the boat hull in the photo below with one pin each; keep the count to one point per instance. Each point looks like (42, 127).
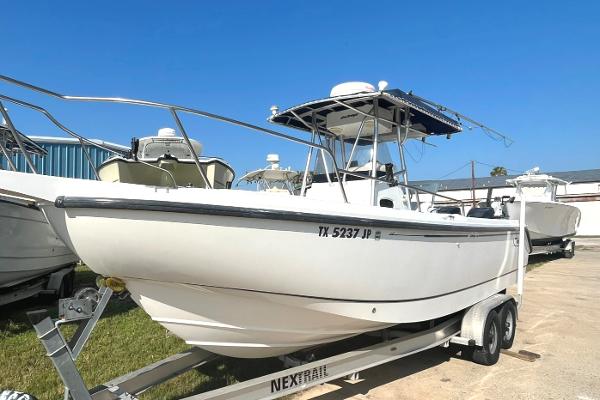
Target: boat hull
(547, 222)
(247, 274)
(258, 324)
(28, 246)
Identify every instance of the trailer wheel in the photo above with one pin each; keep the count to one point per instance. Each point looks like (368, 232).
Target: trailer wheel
(489, 353)
(570, 252)
(508, 324)
(16, 395)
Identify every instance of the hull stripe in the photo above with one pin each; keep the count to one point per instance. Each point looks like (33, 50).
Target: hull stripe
(338, 299)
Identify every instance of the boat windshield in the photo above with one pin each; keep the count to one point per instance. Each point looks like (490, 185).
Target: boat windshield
(355, 158)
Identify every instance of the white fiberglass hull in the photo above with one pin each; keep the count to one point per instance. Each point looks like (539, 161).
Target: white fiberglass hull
(28, 246)
(247, 274)
(547, 221)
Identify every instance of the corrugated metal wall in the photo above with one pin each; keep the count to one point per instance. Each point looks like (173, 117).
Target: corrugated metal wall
(63, 159)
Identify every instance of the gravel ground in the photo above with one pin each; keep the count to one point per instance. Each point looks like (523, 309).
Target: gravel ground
(560, 320)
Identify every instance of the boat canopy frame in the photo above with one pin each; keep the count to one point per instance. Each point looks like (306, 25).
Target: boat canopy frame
(397, 98)
(411, 118)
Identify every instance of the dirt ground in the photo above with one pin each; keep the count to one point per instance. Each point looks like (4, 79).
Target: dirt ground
(559, 319)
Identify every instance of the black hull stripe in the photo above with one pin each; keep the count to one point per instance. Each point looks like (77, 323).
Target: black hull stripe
(280, 215)
(457, 235)
(347, 300)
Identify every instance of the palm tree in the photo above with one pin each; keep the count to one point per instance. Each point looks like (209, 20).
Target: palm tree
(498, 171)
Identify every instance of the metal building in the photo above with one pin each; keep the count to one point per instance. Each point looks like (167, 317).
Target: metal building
(65, 157)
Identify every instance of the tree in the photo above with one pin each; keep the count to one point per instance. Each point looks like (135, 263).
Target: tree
(498, 171)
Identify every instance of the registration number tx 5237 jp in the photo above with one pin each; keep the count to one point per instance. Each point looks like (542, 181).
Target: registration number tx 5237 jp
(344, 232)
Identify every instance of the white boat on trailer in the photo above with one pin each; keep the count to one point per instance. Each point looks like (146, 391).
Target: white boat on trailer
(551, 223)
(363, 258)
(32, 258)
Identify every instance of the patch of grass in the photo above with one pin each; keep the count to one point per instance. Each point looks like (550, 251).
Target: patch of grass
(536, 261)
(124, 340)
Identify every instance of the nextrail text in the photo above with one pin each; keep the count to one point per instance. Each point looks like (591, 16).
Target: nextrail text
(298, 379)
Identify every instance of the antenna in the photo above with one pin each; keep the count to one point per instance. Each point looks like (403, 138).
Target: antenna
(273, 159)
(491, 133)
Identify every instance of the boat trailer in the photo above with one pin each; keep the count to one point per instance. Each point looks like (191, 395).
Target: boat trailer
(54, 285)
(469, 328)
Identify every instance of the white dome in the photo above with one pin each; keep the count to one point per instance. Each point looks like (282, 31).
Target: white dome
(351, 88)
(166, 132)
(273, 158)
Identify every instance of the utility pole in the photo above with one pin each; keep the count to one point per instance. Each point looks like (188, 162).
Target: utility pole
(473, 181)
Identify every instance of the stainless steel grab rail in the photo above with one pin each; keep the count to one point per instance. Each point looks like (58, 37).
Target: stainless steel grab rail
(173, 109)
(81, 139)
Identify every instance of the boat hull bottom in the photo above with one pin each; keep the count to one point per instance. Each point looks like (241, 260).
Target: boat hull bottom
(250, 324)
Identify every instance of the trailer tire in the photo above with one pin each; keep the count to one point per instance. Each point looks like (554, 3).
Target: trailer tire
(569, 253)
(508, 324)
(489, 353)
(16, 395)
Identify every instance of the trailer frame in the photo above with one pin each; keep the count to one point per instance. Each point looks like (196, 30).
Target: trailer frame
(49, 284)
(463, 328)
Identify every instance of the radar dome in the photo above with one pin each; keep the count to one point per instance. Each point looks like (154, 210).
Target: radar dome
(351, 88)
(273, 158)
(166, 132)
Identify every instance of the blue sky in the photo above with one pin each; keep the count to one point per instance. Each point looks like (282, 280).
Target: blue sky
(528, 70)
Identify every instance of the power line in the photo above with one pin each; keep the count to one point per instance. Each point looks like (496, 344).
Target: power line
(455, 171)
(494, 166)
(477, 162)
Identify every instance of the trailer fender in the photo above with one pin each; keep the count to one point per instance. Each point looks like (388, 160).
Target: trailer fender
(473, 322)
